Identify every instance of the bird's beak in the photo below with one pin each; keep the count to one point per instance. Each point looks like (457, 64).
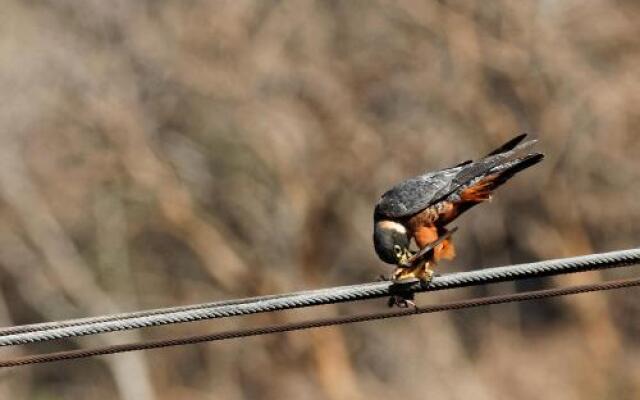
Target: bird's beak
(403, 261)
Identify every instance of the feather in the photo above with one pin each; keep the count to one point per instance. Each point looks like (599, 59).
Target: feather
(508, 146)
(416, 194)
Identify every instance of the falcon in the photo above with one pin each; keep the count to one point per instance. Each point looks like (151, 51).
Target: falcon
(420, 208)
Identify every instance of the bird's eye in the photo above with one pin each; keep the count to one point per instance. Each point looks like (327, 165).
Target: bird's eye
(398, 250)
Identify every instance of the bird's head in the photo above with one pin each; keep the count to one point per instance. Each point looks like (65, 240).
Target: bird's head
(391, 242)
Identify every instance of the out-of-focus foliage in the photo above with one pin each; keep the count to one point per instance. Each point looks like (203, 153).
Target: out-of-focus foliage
(161, 153)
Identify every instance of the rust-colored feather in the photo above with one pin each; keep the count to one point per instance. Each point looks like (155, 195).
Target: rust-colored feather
(480, 191)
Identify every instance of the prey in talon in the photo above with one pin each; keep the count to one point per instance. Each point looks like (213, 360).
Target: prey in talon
(402, 290)
(416, 268)
(420, 208)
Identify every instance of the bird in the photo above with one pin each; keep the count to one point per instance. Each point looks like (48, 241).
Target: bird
(420, 208)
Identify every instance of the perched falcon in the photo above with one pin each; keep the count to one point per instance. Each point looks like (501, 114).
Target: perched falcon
(421, 207)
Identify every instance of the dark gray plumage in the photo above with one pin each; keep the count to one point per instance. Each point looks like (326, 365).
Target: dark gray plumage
(416, 194)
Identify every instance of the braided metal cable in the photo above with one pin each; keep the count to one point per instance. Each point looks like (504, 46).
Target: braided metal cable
(126, 321)
(234, 334)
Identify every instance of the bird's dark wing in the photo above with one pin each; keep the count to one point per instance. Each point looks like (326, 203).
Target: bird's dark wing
(416, 194)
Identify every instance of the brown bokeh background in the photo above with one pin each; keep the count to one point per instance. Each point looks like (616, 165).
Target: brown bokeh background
(163, 153)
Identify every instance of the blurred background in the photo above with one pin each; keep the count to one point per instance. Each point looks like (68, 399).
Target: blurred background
(163, 153)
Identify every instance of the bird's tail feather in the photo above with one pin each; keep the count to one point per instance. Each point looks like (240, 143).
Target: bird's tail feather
(497, 176)
(510, 145)
(507, 170)
(506, 154)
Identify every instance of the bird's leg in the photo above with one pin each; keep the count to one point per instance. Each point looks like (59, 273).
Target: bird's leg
(427, 271)
(441, 248)
(424, 271)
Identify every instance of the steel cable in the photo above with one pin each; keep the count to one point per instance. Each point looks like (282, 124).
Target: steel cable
(458, 305)
(136, 320)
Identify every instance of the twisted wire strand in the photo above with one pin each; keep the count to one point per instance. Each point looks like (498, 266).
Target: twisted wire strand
(136, 320)
(458, 305)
